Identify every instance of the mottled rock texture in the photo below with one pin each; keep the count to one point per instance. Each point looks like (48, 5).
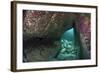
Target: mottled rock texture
(46, 24)
(42, 31)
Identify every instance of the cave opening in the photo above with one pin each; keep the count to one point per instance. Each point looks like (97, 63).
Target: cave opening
(69, 50)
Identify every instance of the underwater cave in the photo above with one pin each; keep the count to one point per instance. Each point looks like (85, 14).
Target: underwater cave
(55, 36)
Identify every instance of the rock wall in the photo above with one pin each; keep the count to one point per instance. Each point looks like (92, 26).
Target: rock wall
(46, 24)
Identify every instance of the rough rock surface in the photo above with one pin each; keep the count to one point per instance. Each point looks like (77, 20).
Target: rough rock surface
(46, 24)
(42, 31)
